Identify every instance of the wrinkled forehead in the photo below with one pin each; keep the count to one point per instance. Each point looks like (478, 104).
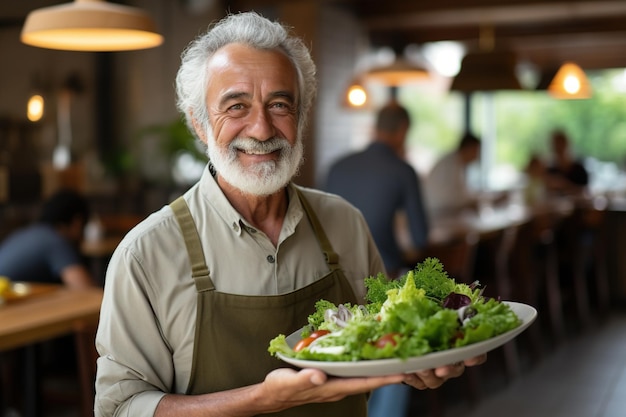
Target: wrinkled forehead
(251, 61)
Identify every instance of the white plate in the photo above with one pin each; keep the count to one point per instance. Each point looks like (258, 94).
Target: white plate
(526, 313)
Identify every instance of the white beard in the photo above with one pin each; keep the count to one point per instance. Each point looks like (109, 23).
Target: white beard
(264, 178)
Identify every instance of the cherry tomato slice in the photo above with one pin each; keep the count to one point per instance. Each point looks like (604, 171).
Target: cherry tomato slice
(303, 343)
(308, 340)
(319, 333)
(384, 340)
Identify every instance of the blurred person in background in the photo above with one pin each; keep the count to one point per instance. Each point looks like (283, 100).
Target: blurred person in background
(381, 184)
(535, 187)
(565, 174)
(446, 186)
(48, 250)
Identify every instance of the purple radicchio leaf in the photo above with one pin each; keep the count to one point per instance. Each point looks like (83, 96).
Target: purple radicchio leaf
(455, 301)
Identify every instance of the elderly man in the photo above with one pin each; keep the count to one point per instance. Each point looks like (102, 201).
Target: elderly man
(195, 292)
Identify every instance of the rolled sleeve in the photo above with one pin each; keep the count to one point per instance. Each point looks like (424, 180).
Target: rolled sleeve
(135, 366)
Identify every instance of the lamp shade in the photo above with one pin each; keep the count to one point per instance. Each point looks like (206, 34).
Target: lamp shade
(399, 72)
(90, 25)
(487, 71)
(570, 82)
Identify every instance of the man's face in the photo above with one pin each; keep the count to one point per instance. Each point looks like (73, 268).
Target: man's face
(252, 106)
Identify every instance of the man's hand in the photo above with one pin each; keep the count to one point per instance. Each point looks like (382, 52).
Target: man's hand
(434, 378)
(285, 388)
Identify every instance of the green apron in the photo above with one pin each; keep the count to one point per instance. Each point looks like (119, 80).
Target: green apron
(233, 331)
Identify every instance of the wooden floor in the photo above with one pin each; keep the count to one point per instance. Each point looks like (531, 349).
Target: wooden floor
(584, 376)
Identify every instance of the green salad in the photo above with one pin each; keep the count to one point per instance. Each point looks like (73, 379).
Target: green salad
(421, 312)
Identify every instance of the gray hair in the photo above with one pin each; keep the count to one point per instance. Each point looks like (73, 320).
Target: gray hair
(251, 29)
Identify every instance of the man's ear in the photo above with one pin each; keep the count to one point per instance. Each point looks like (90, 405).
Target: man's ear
(197, 126)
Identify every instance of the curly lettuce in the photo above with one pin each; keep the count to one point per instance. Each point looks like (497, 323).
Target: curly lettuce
(421, 312)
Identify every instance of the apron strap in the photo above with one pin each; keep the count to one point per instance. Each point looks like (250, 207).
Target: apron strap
(332, 259)
(199, 270)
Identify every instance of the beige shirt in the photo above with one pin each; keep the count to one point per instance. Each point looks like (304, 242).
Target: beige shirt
(445, 187)
(146, 333)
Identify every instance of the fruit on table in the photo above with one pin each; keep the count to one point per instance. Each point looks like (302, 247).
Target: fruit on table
(5, 286)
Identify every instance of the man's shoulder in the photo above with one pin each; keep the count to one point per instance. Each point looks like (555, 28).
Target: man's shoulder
(159, 223)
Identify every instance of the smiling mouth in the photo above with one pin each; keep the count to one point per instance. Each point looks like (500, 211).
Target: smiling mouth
(260, 153)
(257, 152)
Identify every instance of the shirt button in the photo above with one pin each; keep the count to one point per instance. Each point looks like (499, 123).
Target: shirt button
(270, 259)
(235, 227)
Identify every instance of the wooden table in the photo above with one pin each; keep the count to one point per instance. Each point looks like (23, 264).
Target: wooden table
(48, 312)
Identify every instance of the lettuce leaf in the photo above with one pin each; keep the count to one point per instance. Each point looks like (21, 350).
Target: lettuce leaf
(411, 308)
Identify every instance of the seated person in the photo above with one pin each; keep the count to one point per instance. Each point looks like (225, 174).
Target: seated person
(446, 188)
(566, 174)
(535, 171)
(47, 251)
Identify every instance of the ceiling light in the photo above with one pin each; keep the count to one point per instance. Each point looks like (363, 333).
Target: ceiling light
(487, 71)
(90, 25)
(570, 82)
(356, 96)
(35, 108)
(401, 71)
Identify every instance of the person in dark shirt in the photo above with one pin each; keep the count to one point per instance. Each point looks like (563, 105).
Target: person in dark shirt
(380, 183)
(47, 251)
(565, 173)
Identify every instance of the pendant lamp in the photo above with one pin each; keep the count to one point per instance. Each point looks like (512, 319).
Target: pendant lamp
(400, 71)
(570, 82)
(487, 71)
(90, 25)
(489, 68)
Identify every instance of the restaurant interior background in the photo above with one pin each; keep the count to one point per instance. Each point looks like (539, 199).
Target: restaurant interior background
(111, 129)
(115, 111)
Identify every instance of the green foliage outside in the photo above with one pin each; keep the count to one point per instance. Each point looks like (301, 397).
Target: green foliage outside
(524, 120)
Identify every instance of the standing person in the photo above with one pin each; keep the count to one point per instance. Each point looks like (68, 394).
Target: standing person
(446, 187)
(194, 293)
(48, 250)
(380, 183)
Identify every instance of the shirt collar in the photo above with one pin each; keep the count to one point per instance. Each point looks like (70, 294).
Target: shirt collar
(213, 196)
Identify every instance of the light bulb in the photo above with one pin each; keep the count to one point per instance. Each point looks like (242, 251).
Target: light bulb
(357, 96)
(34, 108)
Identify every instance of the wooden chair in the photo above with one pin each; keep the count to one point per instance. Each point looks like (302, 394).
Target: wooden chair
(87, 355)
(456, 255)
(589, 255)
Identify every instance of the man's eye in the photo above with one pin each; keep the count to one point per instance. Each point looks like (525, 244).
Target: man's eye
(281, 107)
(236, 107)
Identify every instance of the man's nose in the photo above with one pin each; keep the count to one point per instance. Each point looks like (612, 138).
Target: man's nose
(260, 125)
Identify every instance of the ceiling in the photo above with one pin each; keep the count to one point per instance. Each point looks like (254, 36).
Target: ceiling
(544, 32)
